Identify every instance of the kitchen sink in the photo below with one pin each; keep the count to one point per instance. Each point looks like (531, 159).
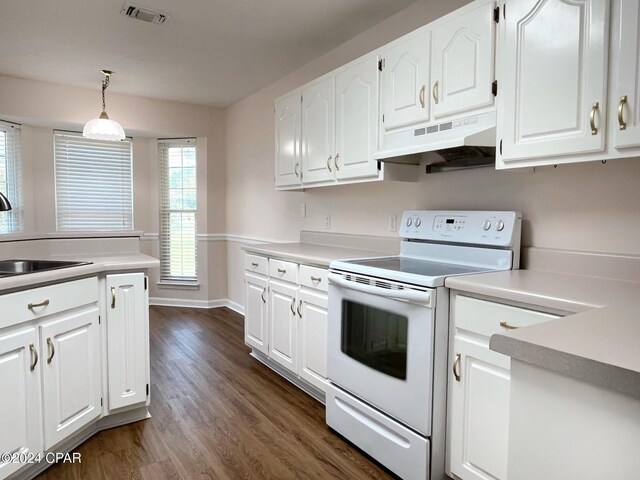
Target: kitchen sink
(20, 267)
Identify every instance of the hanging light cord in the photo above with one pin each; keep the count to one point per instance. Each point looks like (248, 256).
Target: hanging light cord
(105, 84)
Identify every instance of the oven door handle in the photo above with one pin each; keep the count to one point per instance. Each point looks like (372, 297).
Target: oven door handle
(410, 295)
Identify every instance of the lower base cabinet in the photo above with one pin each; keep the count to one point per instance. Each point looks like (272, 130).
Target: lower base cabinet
(479, 387)
(20, 400)
(291, 305)
(72, 388)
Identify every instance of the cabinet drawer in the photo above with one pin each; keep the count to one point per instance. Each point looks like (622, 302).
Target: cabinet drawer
(313, 277)
(55, 298)
(484, 318)
(285, 271)
(256, 264)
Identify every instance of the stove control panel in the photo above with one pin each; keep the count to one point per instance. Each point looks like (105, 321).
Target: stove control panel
(492, 228)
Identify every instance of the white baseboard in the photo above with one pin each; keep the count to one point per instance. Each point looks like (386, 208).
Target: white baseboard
(181, 302)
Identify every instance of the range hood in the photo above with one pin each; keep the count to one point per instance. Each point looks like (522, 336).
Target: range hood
(463, 143)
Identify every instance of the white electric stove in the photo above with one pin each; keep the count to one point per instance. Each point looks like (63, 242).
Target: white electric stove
(388, 334)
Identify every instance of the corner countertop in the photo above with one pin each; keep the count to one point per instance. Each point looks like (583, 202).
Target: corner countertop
(309, 253)
(100, 264)
(596, 342)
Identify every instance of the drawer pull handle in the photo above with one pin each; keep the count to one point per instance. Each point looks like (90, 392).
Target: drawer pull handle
(254, 264)
(264, 300)
(113, 297)
(507, 326)
(282, 271)
(293, 306)
(422, 96)
(298, 309)
(31, 306)
(434, 92)
(456, 367)
(621, 122)
(329, 163)
(592, 118)
(316, 279)
(52, 350)
(34, 357)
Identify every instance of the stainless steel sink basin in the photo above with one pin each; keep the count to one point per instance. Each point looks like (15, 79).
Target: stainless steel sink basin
(19, 267)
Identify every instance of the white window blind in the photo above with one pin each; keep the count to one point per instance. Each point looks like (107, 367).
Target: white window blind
(94, 184)
(11, 176)
(178, 210)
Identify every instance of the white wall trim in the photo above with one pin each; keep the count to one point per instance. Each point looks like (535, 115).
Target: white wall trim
(182, 302)
(149, 237)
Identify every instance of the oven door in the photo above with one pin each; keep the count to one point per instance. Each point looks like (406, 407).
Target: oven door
(380, 347)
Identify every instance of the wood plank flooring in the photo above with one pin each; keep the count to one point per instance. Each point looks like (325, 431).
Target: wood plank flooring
(217, 413)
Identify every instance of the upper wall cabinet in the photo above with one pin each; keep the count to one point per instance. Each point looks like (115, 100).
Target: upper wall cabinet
(357, 110)
(318, 130)
(462, 63)
(553, 78)
(406, 79)
(287, 140)
(626, 91)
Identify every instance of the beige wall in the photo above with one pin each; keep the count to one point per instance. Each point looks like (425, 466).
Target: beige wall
(42, 107)
(585, 206)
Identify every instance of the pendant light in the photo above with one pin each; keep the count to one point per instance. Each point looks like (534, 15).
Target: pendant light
(5, 206)
(103, 128)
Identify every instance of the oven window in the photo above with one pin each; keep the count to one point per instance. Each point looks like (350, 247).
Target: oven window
(376, 338)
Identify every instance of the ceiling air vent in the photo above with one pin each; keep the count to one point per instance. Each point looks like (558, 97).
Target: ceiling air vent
(145, 14)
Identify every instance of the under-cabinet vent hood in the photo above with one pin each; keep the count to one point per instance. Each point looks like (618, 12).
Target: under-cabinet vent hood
(464, 143)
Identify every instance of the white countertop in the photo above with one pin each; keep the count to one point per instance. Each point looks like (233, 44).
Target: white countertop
(310, 254)
(100, 263)
(598, 341)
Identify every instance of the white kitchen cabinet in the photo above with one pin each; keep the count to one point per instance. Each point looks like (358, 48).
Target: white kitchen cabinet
(479, 380)
(406, 80)
(626, 92)
(20, 397)
(288, 131)
(553, 79)
(127, 339)
(312, 309)
(462, 63)
(357, 111)
(318, 130)
(72, 387)
(283, 325)
(256, 312)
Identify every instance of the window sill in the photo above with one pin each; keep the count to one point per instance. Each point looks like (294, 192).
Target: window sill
(178, 285)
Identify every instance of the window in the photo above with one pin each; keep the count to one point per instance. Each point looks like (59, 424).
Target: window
(178, 210)
(93, 183)
(11, 176)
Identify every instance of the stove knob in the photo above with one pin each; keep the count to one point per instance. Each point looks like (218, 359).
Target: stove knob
(487, 225)
(500, 226)
(418, 222)
(409, 222)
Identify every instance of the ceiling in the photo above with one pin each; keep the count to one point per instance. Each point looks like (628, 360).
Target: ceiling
(210, 52)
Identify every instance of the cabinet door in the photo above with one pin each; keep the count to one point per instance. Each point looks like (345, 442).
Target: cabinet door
(627, 91)
(405, 81)
(288, 134)
(72, 385)
(313, 337)
(20, 400)
(127, 339)
(318, 131)
(554, 71)
(256, 312)
(462, 68)
(480, 412)
(283, 329)
(357, 94)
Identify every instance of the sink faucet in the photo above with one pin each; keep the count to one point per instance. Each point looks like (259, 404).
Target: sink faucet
(5, 205)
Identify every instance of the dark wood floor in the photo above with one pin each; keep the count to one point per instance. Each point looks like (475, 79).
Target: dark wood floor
(217, 413)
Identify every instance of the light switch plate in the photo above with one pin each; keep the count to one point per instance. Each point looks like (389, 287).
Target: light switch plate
(393, 222)
(327, 221)
(303, 210)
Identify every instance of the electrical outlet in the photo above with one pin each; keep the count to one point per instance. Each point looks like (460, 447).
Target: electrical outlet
(393, 222)
(303, 210)
(327, 221)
